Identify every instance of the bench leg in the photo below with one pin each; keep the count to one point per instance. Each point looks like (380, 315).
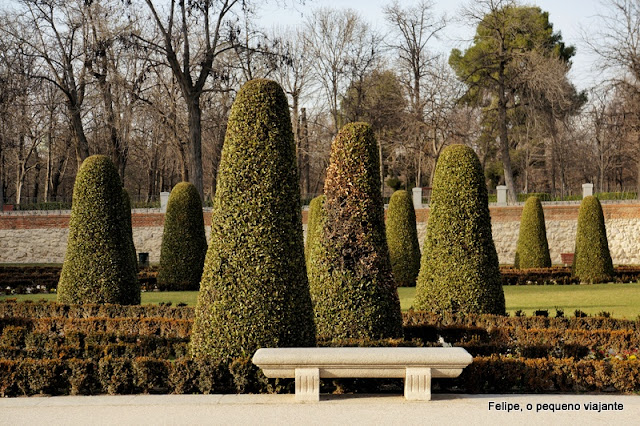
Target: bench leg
(308, 384)
(417, 384)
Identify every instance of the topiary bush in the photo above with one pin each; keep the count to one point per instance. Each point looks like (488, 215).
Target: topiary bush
(459, 270)
(131, 292)
(184, 244)
(532, 250)
(315, 223)
(98, 265)
(402, 238)
(592, 260)
(352, 287)
(254, 290)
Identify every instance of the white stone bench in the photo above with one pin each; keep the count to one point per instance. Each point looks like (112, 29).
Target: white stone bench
(308, 365)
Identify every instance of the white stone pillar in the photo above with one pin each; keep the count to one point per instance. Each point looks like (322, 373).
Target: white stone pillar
(417, 384)
(502, 195)
(587, 189)
(417, 197)
(164, 199)
(308, 384)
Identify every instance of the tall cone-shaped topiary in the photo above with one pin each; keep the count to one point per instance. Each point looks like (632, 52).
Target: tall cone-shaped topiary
(98, 265)
(352, 287)
(133, 291)
(459, 270)
(184, 244)
(592, 260)
(315, 222)
(254, 290)
(532, 250)
(402, 238)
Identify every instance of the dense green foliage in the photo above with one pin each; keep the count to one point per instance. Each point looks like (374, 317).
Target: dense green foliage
(98, 265)
(315, 223)
(532, 250)
(184, 244)
(592, 260)
(402, 239)
(350, 277)
(459, 269)
(254, 291)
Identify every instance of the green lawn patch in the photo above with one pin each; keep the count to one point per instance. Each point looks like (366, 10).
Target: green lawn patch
(620, 300)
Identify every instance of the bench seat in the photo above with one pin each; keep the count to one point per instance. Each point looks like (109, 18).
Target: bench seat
(308, 365)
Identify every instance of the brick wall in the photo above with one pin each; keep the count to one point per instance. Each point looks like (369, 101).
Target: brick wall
(41, 237)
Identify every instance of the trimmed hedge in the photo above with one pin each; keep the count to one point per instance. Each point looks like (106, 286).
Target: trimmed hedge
(592, 260)
(350, 276)
(98, 265)
(533, 249)
(459, 270)
(254, 291)
(315, 224)
(402, 238)
(184, 244)
(121, 354)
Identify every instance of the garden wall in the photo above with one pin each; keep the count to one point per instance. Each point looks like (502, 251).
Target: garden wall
(41, 237)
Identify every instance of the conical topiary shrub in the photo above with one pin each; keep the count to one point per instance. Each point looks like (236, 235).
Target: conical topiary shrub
(98, 265)
(184, 244)
(402, 238)
(352, 287)
(254, 290)
(533, 249)
(134, 291)
(459, 270)
(315, 223)
(592, 260)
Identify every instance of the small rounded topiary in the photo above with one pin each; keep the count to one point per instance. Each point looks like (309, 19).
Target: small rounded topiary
(184, 244)
(402, 238)
(350, 276)
(459, 270)
(533, 249)
(98, 265)
(315, 224)
(254, 290)
(592, 260)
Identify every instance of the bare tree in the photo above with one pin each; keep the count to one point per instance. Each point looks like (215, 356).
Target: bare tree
(192, 36)
(344, 50)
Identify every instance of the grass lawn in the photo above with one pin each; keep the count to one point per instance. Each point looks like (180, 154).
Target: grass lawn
(621, 300)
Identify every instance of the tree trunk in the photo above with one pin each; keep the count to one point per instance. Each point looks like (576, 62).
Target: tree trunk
(82, 145)
(306, 164)
(504, 137)
(194, 150)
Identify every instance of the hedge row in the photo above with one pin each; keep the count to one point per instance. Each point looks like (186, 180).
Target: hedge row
(112, 375)
(42, 309)
(44, 279)
(560, 276)
(503, 374)
(164, 327)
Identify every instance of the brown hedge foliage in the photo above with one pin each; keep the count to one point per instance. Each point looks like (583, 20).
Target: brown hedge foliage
(350, 275)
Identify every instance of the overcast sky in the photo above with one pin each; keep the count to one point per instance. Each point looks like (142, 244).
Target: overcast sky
(567, 16)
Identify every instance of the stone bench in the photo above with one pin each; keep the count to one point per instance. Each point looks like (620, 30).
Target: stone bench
(308, 365)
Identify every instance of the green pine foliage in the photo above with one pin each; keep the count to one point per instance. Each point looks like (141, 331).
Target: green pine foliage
(315, 223)
(532, 250)
(350, 277)
(254, 290)
(184, 244)
(98, 265)
(459, 270)
(592, 260)
(402, 238)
